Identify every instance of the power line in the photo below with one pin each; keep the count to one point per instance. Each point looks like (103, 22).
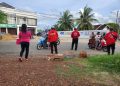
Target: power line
(53, 16)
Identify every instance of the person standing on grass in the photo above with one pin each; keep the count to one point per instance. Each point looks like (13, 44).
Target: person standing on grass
(75, 35)
(52, 38)
(25, 37)
(111, 38)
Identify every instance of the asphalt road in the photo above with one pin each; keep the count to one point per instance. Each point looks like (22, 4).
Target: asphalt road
(9, 47)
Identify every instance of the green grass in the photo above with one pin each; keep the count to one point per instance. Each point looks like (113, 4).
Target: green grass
(99, 65)
(99, 68)
(107, 63)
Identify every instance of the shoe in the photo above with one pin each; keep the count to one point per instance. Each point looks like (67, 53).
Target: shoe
(26, 59)
(20, 59)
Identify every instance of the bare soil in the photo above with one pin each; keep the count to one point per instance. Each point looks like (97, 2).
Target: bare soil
(37, 71)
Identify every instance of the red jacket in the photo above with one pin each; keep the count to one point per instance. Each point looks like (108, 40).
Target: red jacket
(75, 34)
(111, 37)
(52, 35)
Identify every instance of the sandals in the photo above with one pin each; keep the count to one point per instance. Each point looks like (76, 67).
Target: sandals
(20, 59)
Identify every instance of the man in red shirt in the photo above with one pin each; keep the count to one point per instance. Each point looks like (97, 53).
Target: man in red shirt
(111, 38)
(75, 35)
(52, 38)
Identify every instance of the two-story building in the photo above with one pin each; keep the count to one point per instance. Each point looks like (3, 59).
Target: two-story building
(17, 17)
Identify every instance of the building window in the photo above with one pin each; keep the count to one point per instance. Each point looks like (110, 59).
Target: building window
(31, 21)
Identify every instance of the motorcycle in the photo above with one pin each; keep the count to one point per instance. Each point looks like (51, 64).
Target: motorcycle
(101, 45)
(43, 44)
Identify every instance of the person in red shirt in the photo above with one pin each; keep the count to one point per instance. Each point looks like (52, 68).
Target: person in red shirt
(75, 35)
(111, 38)
(24, 37)
(52, 38)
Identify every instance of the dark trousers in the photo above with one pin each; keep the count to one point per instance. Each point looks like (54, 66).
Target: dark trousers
(109, 47)
(74, 42)
(53, 44)
(24, 47)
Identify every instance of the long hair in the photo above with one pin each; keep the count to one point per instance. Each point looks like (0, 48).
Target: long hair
(24, 28)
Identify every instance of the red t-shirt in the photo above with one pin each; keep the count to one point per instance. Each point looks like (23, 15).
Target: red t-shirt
(52, 35)
(25, 37)
(111, 37)
(75, 34)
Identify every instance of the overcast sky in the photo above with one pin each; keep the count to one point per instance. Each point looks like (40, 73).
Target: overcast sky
(104, 9)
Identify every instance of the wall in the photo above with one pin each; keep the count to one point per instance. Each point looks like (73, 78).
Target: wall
(83, 34)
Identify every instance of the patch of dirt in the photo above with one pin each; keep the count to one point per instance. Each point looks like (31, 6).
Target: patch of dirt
(37, 71)
(7, 37)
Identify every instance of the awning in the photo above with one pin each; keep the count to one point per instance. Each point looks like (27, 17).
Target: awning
(8, 26)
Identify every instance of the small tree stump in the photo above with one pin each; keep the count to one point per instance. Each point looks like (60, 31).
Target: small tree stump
(83, 54)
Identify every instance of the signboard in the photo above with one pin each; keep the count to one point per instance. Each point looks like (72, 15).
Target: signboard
(8, 26)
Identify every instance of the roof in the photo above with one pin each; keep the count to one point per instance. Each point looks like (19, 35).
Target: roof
(3, 4)
(100, 27)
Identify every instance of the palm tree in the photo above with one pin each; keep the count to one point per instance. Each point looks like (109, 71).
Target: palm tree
(86, 17)
(65, 22)
(3, 18)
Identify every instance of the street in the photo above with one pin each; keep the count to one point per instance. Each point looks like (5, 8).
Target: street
(9, 47)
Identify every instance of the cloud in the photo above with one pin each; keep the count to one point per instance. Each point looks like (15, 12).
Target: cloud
(103, 19)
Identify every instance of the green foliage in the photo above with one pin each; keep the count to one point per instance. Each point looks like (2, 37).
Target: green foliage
(3, 18)
(86, 17)
(114, 26)
(107, 63)
(65, 23)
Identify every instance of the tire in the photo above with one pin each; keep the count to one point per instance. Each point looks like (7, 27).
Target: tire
(39, 47)
(105, 49)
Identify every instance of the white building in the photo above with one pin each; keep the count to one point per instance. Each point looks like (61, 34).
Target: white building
(16, 18)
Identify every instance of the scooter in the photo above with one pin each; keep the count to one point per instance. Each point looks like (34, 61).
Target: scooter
(101, 45)
(42, 43)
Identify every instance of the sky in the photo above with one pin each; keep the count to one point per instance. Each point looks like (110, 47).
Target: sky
(49, 10)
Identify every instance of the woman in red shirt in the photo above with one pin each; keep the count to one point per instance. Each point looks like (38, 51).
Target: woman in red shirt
(24, 37)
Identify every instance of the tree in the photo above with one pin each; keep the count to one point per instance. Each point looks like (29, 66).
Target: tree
(65, 23)
(86, 17)
(114, 26)
(3, 18)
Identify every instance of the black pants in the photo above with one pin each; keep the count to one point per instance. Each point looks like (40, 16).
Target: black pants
(74, 41)
(24, 47)
(53, 44)
(112, 46)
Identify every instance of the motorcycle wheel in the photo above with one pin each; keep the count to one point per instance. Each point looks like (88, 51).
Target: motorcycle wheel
(39, 47)
(105, 49)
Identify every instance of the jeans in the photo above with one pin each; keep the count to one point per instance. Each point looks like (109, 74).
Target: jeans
(74, 42)
(53, 44)
(112, 46)
(24, 47)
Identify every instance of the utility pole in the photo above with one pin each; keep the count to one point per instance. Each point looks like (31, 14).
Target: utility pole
(117, 21)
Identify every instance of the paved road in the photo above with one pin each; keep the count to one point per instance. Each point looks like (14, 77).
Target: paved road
(9, 47)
